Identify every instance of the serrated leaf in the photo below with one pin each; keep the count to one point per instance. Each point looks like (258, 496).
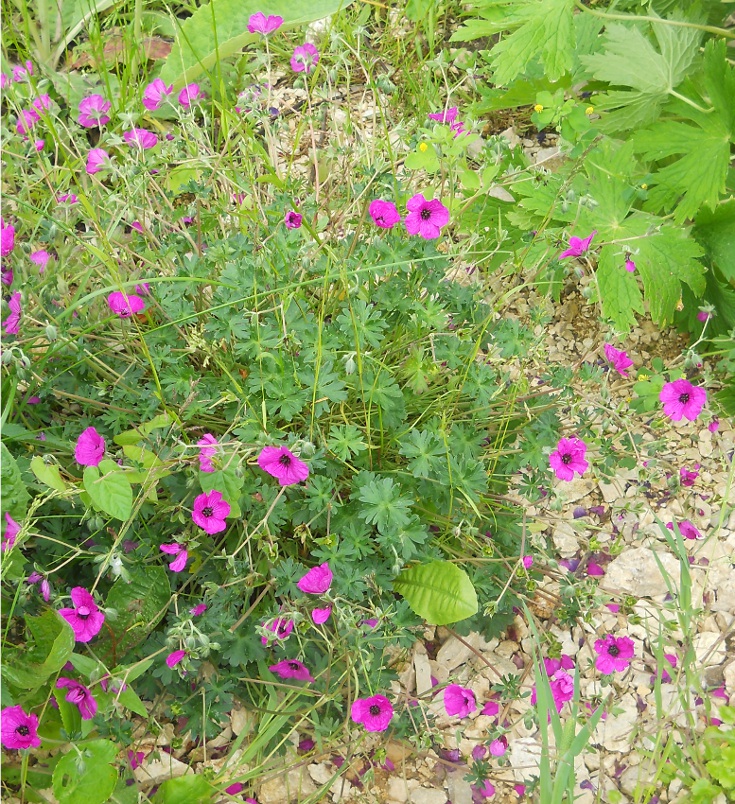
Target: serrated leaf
(85, 776)
(218, 30)
(440, 592)
(716, 232)
(110, 492)
(15, 498)
(47, 473)
(228, 483)
(620, 295)
(51, 648)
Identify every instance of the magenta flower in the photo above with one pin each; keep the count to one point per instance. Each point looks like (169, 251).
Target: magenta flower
(569, 458)
(613, 653)
(40, 258)
(80, 696)
(140, 138)
(175, 657)
(320, 616)
(687, 529)
(38, 144)
(458, 129)
(281, 627)
(305, 58)
(90, 447)
(293, 219)
(259, 23)
(486, 790)
(124, 304)
(198, 610)
(384, 213)
(448, 116)
(577, 246)
(93, 111)
(317, 580)
(629, 265)
(210, 511)
(714, 425)
(291, 668)
(681, 398)
(620, 360)
(527, 562)
(688, 477)
(18, 730)
(459, 701)
(374, 713)
(12, 322)
(499, 747)
(703, 315)
(424, 217)
(178, 550)
(562, 689)
(155, 93)
(490, 709)
(26, 120)
(97, 159)
(12, 529)
(135, 758)
(283, 465)
(36, 578)
(67, 198)
(42, 103)
(208, 448)
(85, 618)
(7, 276)
(7, 235)
(189, 94)
(21, 72)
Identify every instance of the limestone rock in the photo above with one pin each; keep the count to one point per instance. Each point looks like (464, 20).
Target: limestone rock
(287, 788)
(525, 757)
(156, 769)
(709, 648)
(454, 653)
(459, 789)
(425, 795)
(636, 572)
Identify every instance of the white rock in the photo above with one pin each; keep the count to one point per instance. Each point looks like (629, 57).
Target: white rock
(565, 539)
(705, 443)
(321, 774)
(576, 489)
(709, 648)
(729, 675)
(340, 790)
(424, 795)
(288, 787)
(636, 572)
(397, 790)
(616, 732)
(459, 789)
(422, 667)
(156, 771)
(453, 653)
(525, 757)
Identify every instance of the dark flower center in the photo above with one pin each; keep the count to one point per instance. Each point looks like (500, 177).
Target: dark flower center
(24, 731)
(125, 313)
(684, 398)
(566, 458)
(285, 460)
(83, 612)
(294, 666)
(375, 709)
(425, 214)
(613, 650)
(207, 511)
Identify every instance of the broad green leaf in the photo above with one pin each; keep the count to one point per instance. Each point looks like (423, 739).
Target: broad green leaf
(49, 650)
(228, 483)
(620, 295)
(85, 775)
(110, 490)
(137, 434)
(189, 789)
(14, 495)
(141, 455)
(440, 592)
(129, 699)
(716, 232)
(219, 29)
(84, 664)
(48, 473)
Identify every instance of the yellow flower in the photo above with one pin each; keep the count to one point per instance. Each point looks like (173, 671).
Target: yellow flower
(644, 186)
(538, 108)
(643, 376)
(589, 110)
(423, 147)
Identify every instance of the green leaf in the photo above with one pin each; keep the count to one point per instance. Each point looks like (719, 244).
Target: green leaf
(85, 775)
(48, 473)
(440, 592)
(137, 434)
(129, 699)
(14, 495)
(228, 483)
(620, 295)
(218, 30)
(111, 492)
(716, 232)
(49, 650)
(189, 789)
(383, 505)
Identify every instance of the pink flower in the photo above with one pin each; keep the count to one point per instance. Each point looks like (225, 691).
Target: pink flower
(67, 198)
(210, 511)
(458, 129)
(281, 627)
(93, 111)
(714, 425)
(85, 618)
(687, 529)
(174, 658)
(208, 448)
(124, 304)
(97, 159)
(80, 696)
(259, 23)
(7, 237)
(703, 316)
(7, 276)
(490, 709)
(595, 570)
(305, 58)
(189, 94)
(283, 465)
(42, 103)
(38, 144)
(459, 701)
(135, 758)
(12, 529)
(18, 730)
(21, 73)
(486, 790)
(613, 653)
(569, 458)
(320, 616)
(384, 213)
(155, 93)
(688, 477)
(293, 220)
(40, 258)
(448, 116)
(198, 610)
(562, 688)
(499, 747)
(44, 585)
(140, 138)
(90, 447)
(681, 398)
(577, 247)
(291, 668)
(26, 120)
(317, 580)
(374, 713)
(629, 265)
(425, 218)
(527, 561)
(620, 360)
(234, 788)
(178, 550)
(12, 322)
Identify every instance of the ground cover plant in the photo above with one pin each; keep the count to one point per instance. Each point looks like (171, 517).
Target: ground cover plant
(263, 420)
